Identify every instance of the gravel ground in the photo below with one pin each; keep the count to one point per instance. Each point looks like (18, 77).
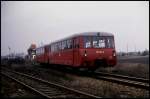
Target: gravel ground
(129, 69)
(133, 59)
(89, 85)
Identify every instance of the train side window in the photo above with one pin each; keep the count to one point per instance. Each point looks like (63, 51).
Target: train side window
(59, 46)
(87, 42)
(42, 50)
(39, 51)
(110, 42)
(102, 43)
(54, 47)
(63, 44)
(95, 42)
(49, 48)
(69, 44)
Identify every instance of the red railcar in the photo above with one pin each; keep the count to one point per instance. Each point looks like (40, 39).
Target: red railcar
(42, 54)
(85, 50)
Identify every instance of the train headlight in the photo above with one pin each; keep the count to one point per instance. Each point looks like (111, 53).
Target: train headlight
(114, 54)
(85, 53)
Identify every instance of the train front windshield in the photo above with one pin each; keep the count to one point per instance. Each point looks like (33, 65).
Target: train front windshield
(98, 42)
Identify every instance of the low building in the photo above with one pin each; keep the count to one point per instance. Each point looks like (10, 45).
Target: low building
(32, 52)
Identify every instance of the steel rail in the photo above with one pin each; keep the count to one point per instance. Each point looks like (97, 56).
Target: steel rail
(137, 83)
(127, 83)
(27, 86)
(56, 85)
(123, 77)
(120, 79)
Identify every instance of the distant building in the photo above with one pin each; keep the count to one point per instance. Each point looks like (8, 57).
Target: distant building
(32, 52)
(142, 53)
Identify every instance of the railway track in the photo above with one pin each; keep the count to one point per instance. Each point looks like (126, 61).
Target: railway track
(124, 80)
(115, 78)
(123, 77)
(45, 88)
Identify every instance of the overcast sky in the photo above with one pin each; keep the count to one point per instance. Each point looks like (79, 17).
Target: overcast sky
(26, 22)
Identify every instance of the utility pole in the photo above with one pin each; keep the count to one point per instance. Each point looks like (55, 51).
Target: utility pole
(135, 48)
(127, 49)
(9, 52)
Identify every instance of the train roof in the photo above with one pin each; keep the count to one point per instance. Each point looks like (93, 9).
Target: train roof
(81, 34)
(86, 34)
(94, 34)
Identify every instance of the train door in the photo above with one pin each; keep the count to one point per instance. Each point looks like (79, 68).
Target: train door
(75, 51)
(46, 54)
